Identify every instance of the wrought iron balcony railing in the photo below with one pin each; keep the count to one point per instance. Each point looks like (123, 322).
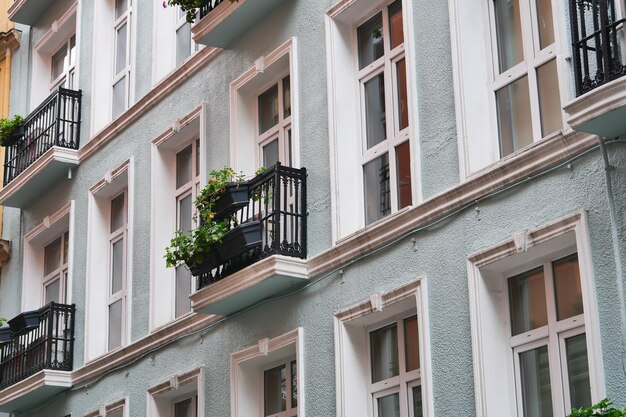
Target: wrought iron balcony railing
(56, 122)
(41, 339)
(277, 207)
(208, 5)
(598, 43)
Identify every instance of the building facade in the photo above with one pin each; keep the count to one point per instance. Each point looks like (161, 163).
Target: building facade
(439, 229)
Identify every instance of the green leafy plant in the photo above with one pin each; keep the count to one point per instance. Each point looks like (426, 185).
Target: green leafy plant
(7, 127)
(189, 6)
(602, 409)
(2, 321)
(191, 246)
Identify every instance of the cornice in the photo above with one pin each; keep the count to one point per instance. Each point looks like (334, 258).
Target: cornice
(10, 41)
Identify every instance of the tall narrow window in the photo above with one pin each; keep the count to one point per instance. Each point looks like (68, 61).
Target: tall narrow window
(274, 124)
(386, 147)
(121, 58)
(394, 385)
(62, 66)
(548, 339)
(187, 185)
(185, 46)
(280, 390)
(526, 84)
(55, 270)
(117, 270)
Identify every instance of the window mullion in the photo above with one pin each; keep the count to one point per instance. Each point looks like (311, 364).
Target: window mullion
(554, 353)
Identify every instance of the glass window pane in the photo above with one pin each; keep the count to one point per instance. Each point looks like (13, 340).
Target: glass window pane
(411, 344)
(527, 299)
(545, 23)
(73, 50)
(535, 378)
(66, 244)
(120, 50)
(118, 212)
(287, 96)
(268, 109)
(275, 390)
(377, 189)
(294, 384)
(184, 408)
(115, 324)
(289, 150)
(370, 40)
(119, 97)
(183, 43)
(117, 266)
(389, 406)
(508, 33)
(403, 102)
(117, 413)
(403, 165)
(567, 289)
(120, 7)
(59, 62)
(514, 122)
(185, 213)
(53, 292)
(52, 256)
(270, 154)
(183, 289)
(197, 157)
(183, 166)
(375, 110)
(396, 31)
(417, 402)
(578, 371)
(549, 98)
(384, 351)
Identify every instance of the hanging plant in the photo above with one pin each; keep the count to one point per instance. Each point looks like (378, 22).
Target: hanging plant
(191, 6)
(11, 130)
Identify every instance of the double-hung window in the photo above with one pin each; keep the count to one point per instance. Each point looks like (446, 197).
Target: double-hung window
(382, 77)
(548, 339)
(117, 271)
(395, 388)
(55, 270)
(62, 66)
(122, 53)
(184, 44)
(526, 82)
(187, 185)
(186, 407)
(280, 390)
(274, 142)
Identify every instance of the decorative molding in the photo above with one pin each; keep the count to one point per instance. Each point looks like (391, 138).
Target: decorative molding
(42, 378)
(599, 101)
(176, 381)
(289, 338)
(110, 176)
(180, 124)
(52, 219)
(49, 35)
(214, 18)
(9, 41)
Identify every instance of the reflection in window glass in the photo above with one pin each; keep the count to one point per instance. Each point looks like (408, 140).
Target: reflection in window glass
(183, 289)
(417, 402)
(384, 352)
(514, 121)
(403, 167)
(389, 406)
(535, 377)
(567, 289)
(375, 110)
(52, 256)
(120, 54)
(549, 98)
(184, 408)
(395, 24)
(59, 62)
(578, 371)
(117, 413)
(403, 103)
(183, 43)
(268, 109)
(508, 33)
(183, 166)
(118, 214)
(270, 153)
(287, 97)
(377, 189)
(185, 214)
(275, 390)
(411, 344)
(120, 8)
(545, 23)
(370, 40)
(115, 325)
(527, 300)
(119, 97)
(53, 292)
(117, 266)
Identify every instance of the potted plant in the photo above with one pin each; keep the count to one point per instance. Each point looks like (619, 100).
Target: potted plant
(5, 332)
(602, 409)
(24, 322)
(191, 6)
(11, 130)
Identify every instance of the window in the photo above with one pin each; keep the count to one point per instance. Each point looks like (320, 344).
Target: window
(55, 270)
(63, 64)
(181, 396)
(185, 46)
(116, 409)
(379, 356)
(534, 323)
(526, 84)
(187, 187)
(280, 390)
(274, 124)
(122, 53)
(548, 338)
(385, 117)
(117, 270)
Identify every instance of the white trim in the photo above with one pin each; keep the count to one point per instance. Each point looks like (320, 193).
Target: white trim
(167, 391)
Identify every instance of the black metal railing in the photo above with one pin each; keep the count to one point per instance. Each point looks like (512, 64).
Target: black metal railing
(278, 203)
(208, 5)
(56, 122)
(598, 43)
(48, 343)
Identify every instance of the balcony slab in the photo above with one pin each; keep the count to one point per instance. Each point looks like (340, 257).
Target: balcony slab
(267, 278)
(602, 111)
(229, 20)
(28, 12)
(50, 168)
(35, 389)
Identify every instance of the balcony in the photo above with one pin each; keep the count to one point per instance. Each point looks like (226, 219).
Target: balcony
(28, 12)
(599, 68)
(46, 151)
(223, 21)
(268, 257)
(36, 360)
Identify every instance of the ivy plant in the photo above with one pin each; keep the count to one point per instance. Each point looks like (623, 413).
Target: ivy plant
(191, 6)
(602, 409)
(7, 127)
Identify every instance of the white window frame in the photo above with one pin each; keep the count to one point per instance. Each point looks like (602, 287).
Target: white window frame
(114, 237)
(60, 273)
(124, 19)
(180, 20)
(69, 73)
(194, 402)
(106, 410)
(356, 396)
(280, 131)
(495, 370)
(289, 409)
(167, 392)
